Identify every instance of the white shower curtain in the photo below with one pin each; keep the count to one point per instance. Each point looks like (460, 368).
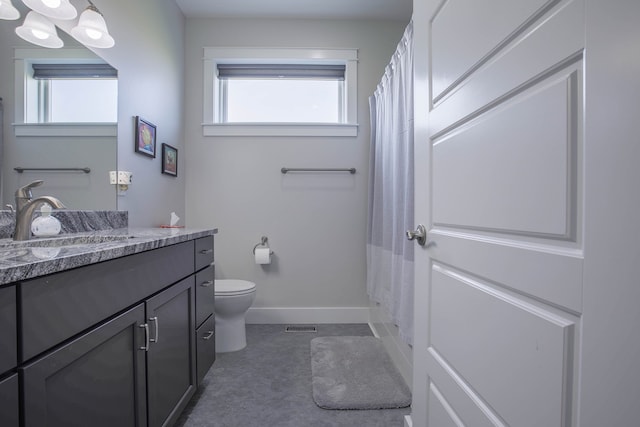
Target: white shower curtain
(390, 277)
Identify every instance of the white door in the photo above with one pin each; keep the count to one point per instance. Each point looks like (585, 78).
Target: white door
(509, 317)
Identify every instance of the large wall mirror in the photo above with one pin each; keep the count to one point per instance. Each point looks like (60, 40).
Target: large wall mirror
(36, 138)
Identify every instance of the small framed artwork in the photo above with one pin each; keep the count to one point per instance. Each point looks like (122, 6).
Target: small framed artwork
(169, 160)
(145, 137)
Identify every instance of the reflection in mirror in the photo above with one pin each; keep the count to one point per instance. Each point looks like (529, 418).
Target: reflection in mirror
(48, 122)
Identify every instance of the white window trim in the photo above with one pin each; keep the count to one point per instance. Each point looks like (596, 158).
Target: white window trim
(23, 59)
(219, 55)
(65, 129)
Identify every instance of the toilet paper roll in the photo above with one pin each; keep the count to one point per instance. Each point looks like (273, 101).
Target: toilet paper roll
(263, 256)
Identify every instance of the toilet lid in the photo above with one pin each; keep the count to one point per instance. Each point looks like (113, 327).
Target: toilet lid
(234, 287)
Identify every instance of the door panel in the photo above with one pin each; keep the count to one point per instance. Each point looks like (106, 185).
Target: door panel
(505, 172)
(519, 349)
(461, 403)
(440, 412)
(532, 56)
(550, 272)
(455, 54)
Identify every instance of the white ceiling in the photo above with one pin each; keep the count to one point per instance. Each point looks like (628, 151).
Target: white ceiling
(315, 9)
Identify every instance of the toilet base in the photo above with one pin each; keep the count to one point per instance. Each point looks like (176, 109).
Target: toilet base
(230, 334)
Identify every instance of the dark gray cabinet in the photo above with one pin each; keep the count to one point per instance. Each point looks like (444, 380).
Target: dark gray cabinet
(97, 379)
(171, 357)
(120, 343)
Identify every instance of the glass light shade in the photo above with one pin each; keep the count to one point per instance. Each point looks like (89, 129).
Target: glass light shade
(56, 9)
(8, 11)
(92, 30)
(37, 29)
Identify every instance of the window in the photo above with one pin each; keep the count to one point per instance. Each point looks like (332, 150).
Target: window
(73, 93)
(304, 92)
(276, 93)
(69, 92)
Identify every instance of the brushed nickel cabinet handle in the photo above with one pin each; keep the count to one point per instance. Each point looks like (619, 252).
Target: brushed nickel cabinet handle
(146, 336)
(207, 283)
(208, 336)
(156, 323)
(206, 251)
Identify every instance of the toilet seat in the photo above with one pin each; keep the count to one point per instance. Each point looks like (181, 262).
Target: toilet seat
(231, 287)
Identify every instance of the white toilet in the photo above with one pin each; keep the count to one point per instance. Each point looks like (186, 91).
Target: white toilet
(233, 299)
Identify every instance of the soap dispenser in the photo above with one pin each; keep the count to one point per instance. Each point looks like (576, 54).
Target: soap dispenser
(45, 225)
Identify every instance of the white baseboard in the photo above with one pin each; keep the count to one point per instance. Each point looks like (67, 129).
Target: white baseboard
(408, 422)
(301, 315)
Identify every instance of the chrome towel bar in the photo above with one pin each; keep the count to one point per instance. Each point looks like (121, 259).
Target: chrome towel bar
(85, 170)
(350, 170)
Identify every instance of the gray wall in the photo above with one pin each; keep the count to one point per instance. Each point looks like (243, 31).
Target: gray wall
(316, 224)
(149, 56)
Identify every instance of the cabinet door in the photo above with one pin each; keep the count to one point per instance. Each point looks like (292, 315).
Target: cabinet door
(8, 349)
(171, 360)
(9, 402)
(96, 380)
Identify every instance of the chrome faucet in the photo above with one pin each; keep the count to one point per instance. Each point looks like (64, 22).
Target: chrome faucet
(26, 205)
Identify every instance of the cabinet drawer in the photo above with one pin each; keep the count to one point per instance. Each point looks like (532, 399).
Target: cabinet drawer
(206, 347)
(205, 294)
(8, 331)
(204, 252)
(9, 416)
(56, 307)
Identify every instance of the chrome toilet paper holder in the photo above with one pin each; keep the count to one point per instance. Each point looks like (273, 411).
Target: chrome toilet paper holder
(264, 243)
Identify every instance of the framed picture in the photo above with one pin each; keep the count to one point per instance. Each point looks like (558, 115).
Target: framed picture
(145, 137)
(169, 160)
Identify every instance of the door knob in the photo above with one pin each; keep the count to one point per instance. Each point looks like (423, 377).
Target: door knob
(420, 235)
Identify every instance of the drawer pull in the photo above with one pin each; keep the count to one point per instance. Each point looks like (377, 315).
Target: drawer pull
(155, 321)
(208, 336)
(146, 336)
(207, 283)
(206, 251)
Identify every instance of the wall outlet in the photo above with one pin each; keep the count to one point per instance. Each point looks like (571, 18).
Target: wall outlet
(120, 177)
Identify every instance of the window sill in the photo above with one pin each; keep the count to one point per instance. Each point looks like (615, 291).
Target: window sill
(66, 129)
(279, 129)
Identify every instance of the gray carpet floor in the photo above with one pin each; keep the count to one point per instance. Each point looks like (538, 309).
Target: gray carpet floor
(268, 384)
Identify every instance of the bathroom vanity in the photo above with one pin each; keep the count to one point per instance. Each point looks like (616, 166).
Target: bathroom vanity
(113, 328)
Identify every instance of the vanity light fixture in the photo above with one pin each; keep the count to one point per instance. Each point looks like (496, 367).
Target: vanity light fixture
(92, 29)
(8, 10)
(56, 9)
(38, 30)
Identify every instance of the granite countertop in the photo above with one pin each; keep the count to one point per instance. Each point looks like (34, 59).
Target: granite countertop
(39, 257)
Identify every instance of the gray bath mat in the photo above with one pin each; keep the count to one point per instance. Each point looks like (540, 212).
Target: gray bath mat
(355, 373)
